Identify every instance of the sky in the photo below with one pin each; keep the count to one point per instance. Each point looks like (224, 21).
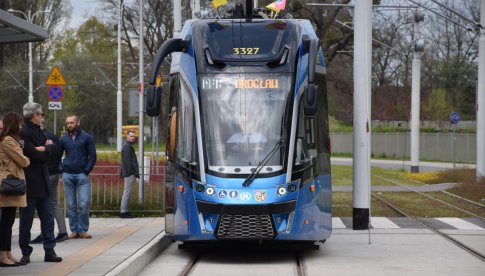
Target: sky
(82, 10)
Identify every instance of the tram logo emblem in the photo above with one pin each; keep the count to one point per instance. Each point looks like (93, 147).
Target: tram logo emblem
(222, 194)
(260, 195)
(233, 194)
(245, 196)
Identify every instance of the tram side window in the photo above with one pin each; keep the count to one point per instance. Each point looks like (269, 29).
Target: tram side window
(186, 150)
(305, 138)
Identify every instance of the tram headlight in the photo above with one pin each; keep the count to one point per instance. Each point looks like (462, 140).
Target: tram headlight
(292, 187)
(210, 191)
(281, 191)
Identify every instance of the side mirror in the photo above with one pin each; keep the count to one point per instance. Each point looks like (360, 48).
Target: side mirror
(153, 101)
(310, 100)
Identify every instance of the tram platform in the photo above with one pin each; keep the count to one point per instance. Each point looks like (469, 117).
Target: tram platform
(128, 246)
(117, 247)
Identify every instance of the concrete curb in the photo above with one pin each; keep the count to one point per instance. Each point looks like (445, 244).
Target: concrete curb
(134, 264)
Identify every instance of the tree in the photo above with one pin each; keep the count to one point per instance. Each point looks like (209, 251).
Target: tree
(438, 106)
(79, 53)
(14, 77)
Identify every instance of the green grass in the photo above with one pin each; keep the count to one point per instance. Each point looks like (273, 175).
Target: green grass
(342, 176)
(412, 203)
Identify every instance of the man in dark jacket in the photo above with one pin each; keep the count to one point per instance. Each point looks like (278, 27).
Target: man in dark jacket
(76, 166)
(129, 171)
(38, 149)
(53, 164)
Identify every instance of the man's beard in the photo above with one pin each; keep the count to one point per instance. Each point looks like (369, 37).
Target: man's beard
(71, 131)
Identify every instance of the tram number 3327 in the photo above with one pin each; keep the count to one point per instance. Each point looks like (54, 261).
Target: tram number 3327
(245, 51)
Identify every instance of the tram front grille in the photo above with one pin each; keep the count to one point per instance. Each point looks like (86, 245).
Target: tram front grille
(233, 226)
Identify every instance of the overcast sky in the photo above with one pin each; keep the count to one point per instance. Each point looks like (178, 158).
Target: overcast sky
(82, 10)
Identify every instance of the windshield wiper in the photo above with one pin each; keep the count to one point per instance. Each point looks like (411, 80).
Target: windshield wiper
(262, 163)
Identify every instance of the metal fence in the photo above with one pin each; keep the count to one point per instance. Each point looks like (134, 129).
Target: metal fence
(433, 146)
(107, 190)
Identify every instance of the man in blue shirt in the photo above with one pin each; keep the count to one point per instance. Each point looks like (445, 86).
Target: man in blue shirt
(75, 167)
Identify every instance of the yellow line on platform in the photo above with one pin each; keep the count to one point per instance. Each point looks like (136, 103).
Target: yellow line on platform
(83, 256)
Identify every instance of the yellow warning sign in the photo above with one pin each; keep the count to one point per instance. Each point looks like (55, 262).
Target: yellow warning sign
(55, 78)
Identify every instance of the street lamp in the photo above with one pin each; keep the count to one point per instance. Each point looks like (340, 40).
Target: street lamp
(30, 17)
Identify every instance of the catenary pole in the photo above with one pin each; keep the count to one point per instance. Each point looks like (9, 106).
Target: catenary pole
(119, 95)
(141, 140)
(195, 9)
(415, 97)
(481, 97)
(177, 17)
(361, 116)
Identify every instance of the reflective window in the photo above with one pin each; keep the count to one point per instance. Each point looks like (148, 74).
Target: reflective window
(243, 120)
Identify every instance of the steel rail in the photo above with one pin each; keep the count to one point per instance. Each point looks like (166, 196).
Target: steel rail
(433, 198)
(464, 199)
(300, 265)
(447, 237)
(190, 265)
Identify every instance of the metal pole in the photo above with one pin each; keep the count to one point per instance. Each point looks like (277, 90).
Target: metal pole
(481, 97)
(454, 145)
(31, 75)
(362, 90)
(31, 71)
(119, 95)
(415, 100)
(415, 112)
(55, 122)
(177, 17)
(195, 9)
(141, 140)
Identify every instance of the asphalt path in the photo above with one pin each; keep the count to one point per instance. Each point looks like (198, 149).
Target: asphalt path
(400, 164)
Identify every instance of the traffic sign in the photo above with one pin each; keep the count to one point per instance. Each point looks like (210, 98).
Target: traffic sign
(54, 106)
(54, 93)
(55, 78)
(454, 117)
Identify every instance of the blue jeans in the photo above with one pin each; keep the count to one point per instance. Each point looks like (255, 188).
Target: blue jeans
(77, 190)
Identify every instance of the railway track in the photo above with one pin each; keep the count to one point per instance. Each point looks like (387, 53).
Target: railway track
(433, 229)
(198, 260)
(465, 200)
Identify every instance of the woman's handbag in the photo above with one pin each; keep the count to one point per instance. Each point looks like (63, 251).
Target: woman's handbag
(12, 186)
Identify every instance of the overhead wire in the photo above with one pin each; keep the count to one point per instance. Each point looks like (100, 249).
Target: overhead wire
(445, 17)
(454, 12)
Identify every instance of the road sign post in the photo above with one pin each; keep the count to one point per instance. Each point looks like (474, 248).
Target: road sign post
(54, 92)
(454, 119)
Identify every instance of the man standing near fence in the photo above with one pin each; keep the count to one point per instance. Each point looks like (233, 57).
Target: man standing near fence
(129, 172)
(75, 167)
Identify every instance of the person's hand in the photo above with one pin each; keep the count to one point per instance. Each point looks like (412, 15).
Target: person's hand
(40, 148)
(48, 142)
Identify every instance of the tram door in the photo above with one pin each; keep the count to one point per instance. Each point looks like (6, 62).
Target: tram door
(170, 144)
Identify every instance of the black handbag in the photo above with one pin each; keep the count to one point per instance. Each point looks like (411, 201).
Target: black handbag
(12, 186)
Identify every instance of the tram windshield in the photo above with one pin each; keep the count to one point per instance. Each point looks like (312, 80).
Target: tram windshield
(243, 120)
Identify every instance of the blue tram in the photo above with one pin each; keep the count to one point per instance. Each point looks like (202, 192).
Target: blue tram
(248, 149)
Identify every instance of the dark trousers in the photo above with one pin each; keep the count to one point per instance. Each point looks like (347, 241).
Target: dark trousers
(6, 224)
(43, 205)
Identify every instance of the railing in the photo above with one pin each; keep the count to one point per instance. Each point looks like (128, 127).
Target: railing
(107, 191)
